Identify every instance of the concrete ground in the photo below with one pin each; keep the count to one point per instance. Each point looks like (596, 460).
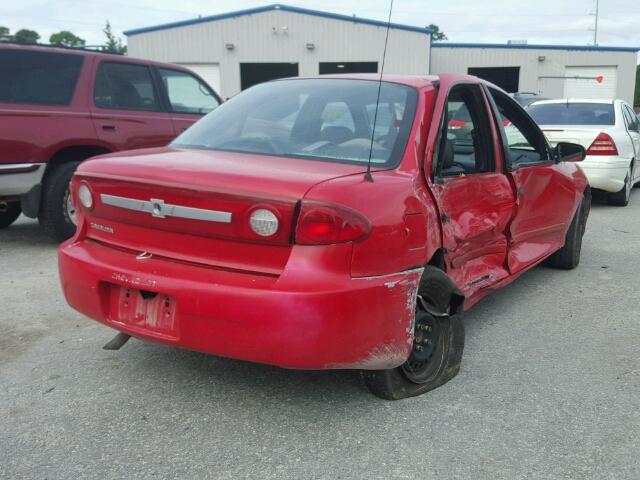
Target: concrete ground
(549, 388)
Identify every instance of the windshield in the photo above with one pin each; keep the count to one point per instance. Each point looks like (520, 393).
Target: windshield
(321, 119)
(572, 113)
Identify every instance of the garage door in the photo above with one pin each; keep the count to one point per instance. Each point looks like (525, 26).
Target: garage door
(594, 82)
(210, 73)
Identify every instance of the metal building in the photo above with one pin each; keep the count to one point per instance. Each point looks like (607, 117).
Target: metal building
(236, 50)
(551, 70)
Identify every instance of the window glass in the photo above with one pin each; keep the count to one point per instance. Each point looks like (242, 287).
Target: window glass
(125, 86)
(39, 78)
(186, 93)
(526, 144)
(320, 119)
(569, 113)
(631, 119)
(465, 146)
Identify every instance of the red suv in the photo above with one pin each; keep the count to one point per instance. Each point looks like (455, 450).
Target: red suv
(327, 223)
(60, 106)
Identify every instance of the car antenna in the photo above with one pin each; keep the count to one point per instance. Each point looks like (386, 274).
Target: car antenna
(367, 175)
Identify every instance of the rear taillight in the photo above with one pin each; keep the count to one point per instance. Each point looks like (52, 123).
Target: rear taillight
(323, 224)
(85, 196)
(603, 145)
(264, 222)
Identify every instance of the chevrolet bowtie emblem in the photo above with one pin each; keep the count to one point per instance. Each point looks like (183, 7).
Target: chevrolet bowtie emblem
(157, 208)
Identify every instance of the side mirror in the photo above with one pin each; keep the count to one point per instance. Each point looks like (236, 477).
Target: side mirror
(569, 152)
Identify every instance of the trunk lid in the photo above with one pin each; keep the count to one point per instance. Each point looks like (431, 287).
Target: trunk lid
(194, 205)
(580, 134)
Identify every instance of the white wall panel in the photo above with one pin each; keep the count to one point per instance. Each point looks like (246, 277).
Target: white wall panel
(282, 36)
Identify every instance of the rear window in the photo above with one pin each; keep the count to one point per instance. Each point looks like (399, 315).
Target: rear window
(38, 78)
(573, 113)
(319, 119)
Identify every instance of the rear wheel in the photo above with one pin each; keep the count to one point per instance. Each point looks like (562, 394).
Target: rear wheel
(437, 346)
(621, 198)
(9, 213)
(57, 214)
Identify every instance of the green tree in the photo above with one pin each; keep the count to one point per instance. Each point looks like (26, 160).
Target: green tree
(4, 33)
(26, 36)
(66, 39)
(436, 34)
(113, 44)
(636, 95)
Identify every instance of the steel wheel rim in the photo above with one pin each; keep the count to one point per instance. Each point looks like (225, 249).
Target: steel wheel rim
(426, 354)
(69, 208)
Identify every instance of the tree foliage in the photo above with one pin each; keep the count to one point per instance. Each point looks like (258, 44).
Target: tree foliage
(26, 36)
(113, 44)
(66, 39)
(436, 34)
(636, 95)
(4, 32)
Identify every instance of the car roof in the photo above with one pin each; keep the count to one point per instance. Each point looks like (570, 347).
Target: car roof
(410, 80)
(84, 52)
(573, 100)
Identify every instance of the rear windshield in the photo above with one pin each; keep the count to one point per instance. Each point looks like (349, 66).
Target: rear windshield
(321, 119)
(573, 113)
(40, 78)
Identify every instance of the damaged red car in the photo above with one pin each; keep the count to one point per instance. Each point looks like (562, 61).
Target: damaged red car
(326, 223)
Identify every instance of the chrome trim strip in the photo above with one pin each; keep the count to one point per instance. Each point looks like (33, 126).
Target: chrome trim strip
(27, 167)
(157, 208)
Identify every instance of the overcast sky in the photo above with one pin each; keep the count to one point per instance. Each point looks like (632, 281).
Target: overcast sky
(537, 21)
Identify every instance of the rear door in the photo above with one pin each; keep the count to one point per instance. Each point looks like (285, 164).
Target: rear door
(188, 98)
(473, 194)
(126, 106)
(546, 197)
(633, 127)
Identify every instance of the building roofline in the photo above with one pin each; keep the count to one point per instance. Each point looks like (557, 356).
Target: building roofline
(268, 8)
(587, 48)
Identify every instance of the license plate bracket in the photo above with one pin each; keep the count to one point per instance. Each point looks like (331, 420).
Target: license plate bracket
(145, 311)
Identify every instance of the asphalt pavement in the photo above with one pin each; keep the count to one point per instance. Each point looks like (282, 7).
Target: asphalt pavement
(549, 388)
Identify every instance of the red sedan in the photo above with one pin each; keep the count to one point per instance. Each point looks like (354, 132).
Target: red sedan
(320, 224)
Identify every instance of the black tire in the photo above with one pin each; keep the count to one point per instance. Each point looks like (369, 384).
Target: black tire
(426, 369)
(568, 257)
(621, 198)
(9, 213)
(54, 215)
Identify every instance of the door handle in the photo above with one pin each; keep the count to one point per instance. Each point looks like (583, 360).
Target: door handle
(108, 127)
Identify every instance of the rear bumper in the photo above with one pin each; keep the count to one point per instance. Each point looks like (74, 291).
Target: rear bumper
(18, 178)
(605, 173)
(328, 321)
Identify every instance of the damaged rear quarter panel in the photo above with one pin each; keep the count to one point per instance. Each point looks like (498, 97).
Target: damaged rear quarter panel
(403, 287)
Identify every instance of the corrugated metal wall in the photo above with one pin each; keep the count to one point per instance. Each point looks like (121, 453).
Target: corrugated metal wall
(254, 40)
(534, 71)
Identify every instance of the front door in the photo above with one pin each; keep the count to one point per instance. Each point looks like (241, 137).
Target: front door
(546, 197)
(127, 111)
(474, 196)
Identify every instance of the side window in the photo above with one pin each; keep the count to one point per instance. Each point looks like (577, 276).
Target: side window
(186, 93)
(630, 118)
(125, 86)
(38, 78)
(525, 142)
(466, 145)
